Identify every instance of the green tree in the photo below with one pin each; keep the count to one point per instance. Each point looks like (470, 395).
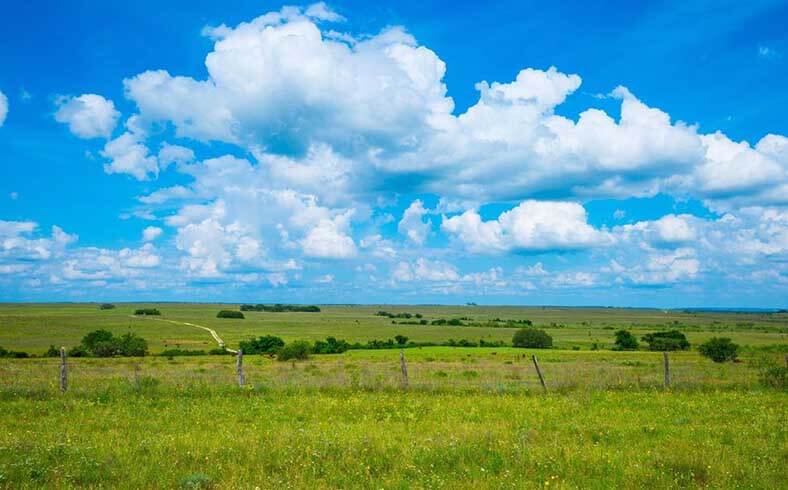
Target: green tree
(719, 349)
(626, 341)
(91, 340)
(298, 350)
(532, 338)
(666, 341)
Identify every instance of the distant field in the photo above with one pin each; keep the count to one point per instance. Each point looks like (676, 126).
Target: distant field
(33, 328)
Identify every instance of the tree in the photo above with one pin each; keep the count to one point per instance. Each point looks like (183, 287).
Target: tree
(91, 340)
(532, 338)
(131, 345)
(625, 340)
(719, 349)
(666, 341)
(298, 350)
(401, 339)
(230, 314)
(267, 344)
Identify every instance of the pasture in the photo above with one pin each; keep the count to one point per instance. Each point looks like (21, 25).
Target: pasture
(471, 417)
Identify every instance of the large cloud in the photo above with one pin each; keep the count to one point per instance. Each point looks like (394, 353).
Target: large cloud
(531, 226)
(87, 116)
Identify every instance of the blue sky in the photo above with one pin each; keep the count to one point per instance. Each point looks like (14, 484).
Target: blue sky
(632, 154)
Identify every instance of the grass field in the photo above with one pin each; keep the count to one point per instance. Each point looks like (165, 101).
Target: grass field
(32, 328)
(471, 417)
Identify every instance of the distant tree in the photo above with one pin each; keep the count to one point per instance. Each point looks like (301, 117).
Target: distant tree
(230, 314)
(52, 352)
(147, 311)
(91, 340)
(625, 340)
(267, 344)
(131, 345)
(666, 341)
(106, 306)
(719, 349)
(401, 339)
(296, 350)
(532, 338)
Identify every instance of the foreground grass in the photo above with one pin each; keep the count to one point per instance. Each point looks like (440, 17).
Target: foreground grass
(472, 418)
(319, 438)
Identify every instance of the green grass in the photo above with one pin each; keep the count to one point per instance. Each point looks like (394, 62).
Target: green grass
(185, 421)
(472, 417)
(32, 328)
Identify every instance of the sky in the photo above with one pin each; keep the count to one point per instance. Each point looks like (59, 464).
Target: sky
(528, 153)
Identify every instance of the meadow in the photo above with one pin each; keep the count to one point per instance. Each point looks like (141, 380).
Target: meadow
(470, 417)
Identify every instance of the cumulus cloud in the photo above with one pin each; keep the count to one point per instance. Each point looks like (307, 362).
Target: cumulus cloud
(425, 270)
(151, 233)
(3, 108)
(128, 155)
(88, 115)
(531, 226)
(412, 224)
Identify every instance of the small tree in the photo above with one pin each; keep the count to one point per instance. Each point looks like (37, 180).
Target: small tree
(625, 340)
(532, 338)
(298, 350)
(401, 339)
(91, 340)
(665, 341)
(52, 352)
(267, 344)
(719, 349)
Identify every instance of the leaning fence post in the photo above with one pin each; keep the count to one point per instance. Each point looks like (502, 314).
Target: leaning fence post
(63, 370)
(404, 367)
(539, 372)
(239, 367)
(666, 362)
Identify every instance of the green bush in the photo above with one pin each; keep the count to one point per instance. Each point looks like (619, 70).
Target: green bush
(197, 481)
(330, 346)
(625, 340)
(102, 343)
(666, 341)
(106, 306)
(532, 338)
(719, 349)
(774, 376)
(230, 314)
(13, 354)
(52, 352)
(267, 344)
(78, 351)
(401, 339)
(296, 350)
(147, 311)
(278, 308)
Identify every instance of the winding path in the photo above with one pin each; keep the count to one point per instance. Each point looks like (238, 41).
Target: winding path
(209, 330)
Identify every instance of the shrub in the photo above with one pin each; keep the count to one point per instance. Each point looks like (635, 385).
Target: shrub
(131, 345)
(401, 339)
(218, 351)
(230, 314)
(52, 352)
(625, 340)
(719, 349)
(147, 311)
(267, 344)
(196, 481)
(774, 376)
(298, 350)
(278, 308)
(78, 351)
(532, 338)
(106, 306)
(13, 354)
(91, 340)
(666, 341)
(330, 346)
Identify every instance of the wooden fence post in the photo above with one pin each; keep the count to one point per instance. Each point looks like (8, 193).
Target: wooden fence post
(239, 367)
(666, 363)
(404, 367)
(63, 370)
(539, 372)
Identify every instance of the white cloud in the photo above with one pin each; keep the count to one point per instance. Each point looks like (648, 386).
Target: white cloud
(143, 257)
(329, 240)
(128, 155)
(151, 233)
(412, 225)
(326, 279)
(3, 108)
(179, 155)
(425, 270)
(87, 116)
(532, 225)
